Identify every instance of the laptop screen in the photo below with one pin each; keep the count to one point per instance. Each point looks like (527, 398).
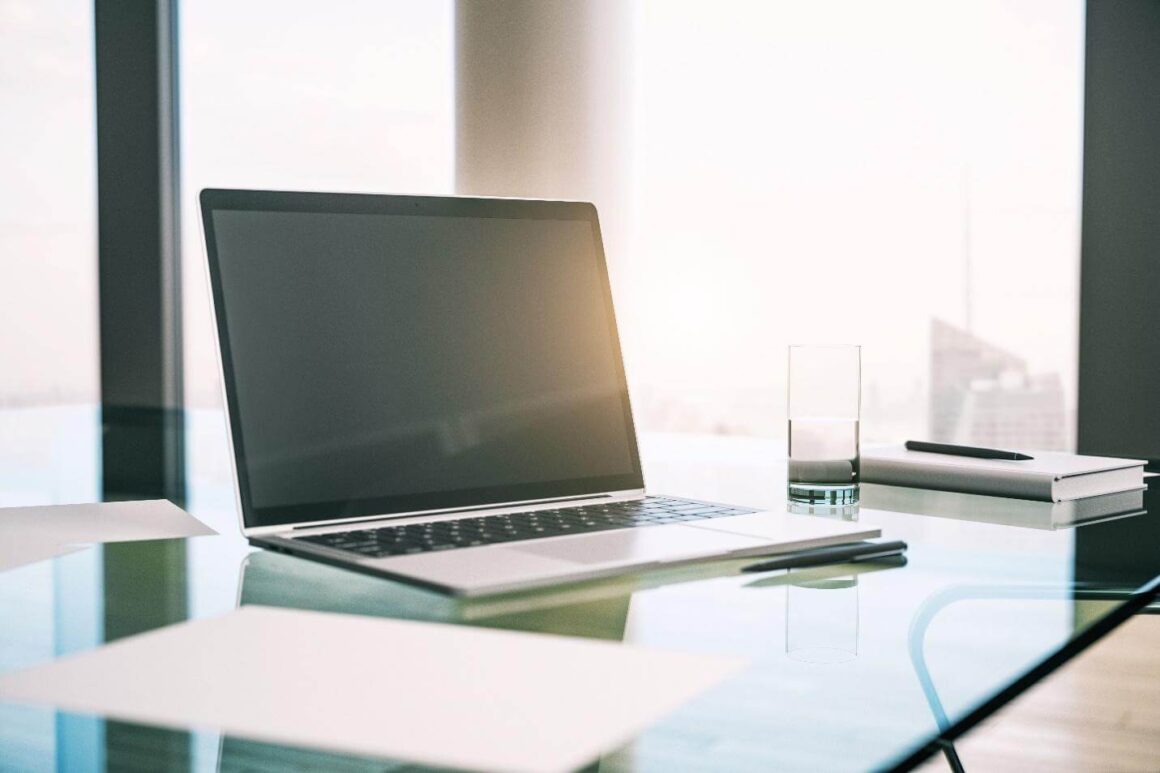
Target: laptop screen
(390, 354)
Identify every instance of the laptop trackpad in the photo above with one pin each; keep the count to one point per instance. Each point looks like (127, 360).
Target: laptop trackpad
(652, 543)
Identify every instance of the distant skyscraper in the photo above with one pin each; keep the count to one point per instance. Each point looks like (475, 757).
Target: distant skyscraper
(1015, 411)
(957, 359)
(983, 395)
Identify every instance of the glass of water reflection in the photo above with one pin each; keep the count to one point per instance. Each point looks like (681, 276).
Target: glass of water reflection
(825, 397)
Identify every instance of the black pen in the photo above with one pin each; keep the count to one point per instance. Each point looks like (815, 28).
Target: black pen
(977, 453)
(842, 554)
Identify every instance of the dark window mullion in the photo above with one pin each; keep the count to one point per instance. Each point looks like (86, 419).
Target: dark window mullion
(138, 249)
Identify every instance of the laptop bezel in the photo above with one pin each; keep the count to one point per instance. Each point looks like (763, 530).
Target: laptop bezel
(273, 518)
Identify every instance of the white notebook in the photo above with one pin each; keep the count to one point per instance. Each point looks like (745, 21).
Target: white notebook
(1050, 476)
(1006, 511)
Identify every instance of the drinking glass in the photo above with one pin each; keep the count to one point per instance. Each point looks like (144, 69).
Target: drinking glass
(825, 395)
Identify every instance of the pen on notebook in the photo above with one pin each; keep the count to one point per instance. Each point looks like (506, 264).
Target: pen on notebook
(978, 453)
(842, 554)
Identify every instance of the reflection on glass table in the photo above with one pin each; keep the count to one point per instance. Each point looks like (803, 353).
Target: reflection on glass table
(992, 608)
(821, 620)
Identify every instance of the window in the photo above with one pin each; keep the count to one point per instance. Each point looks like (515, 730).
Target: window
(48, 296)
(904, 175)
(49, 376)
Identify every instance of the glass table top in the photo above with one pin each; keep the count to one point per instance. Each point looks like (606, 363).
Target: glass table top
(851, 667)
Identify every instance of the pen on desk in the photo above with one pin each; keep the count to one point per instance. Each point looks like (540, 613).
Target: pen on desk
(842, 554)
(977, 453)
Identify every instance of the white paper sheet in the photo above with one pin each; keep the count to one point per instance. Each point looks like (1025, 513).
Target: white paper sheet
(436, 694)
(31, 534)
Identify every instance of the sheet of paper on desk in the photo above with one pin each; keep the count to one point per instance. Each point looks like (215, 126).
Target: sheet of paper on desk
(31, 534)
(448, 695)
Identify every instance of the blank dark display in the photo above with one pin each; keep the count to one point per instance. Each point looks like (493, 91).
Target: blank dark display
(383, 355)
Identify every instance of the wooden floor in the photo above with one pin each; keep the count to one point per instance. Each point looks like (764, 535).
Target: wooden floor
(1101, 712)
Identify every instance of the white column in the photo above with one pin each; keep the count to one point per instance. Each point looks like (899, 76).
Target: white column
(542, 98)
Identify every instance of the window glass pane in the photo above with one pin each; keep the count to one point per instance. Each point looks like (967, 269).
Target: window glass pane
(48, 297)
(900, 174)
(49, 378)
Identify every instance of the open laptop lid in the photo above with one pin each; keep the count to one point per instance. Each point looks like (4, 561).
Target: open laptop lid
(398, 354)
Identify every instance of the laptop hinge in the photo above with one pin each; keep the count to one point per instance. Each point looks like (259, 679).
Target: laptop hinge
(453, 511)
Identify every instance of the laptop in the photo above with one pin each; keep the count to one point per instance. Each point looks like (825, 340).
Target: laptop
(431, 389)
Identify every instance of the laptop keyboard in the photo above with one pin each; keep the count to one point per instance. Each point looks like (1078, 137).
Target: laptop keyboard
(514, 527)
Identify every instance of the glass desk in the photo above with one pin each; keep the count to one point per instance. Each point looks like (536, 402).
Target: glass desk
(851, 667)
